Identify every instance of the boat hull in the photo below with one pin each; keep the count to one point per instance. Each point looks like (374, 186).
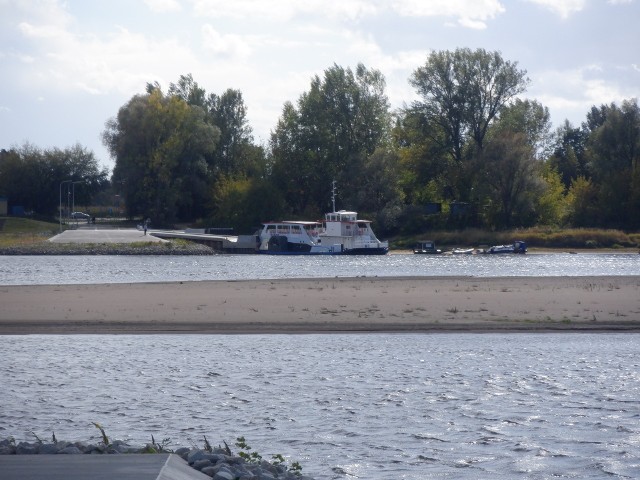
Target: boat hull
(367, 251)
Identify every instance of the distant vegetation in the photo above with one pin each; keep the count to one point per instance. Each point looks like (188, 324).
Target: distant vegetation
(31, 236)
(472, 152)
(23, 231)
(576, 238)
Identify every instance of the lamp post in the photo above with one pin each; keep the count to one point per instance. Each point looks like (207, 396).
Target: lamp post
(73, 195)
(60, 206)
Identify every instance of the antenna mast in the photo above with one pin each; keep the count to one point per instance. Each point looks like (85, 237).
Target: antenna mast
(333, 195)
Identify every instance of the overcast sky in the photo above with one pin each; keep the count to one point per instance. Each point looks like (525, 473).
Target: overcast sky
(68, 66)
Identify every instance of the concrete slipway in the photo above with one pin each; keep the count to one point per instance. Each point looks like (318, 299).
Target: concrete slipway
(162, 466)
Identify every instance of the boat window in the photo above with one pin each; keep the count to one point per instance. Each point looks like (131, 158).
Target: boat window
(271, 228)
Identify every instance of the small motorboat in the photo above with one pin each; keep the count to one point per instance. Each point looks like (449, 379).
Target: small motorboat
(516, 247)
(426, 247)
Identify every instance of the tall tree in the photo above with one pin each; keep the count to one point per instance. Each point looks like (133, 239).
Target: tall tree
(333, 129)
(533, 120)
(568, 156)
(511, 174)
(462, 93)
(31, 177)
(233, 154)
(160, 144)
(613, 152)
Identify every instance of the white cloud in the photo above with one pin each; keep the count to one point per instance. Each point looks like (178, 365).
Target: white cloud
(284, 10)
(226, 45)
(563, 8)
(163, 6)
(570, 94)
(469, 13)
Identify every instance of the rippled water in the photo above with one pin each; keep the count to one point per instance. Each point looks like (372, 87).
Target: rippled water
(346, 406)
(24, 270)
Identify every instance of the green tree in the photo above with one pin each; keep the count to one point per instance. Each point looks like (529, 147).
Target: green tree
(582, 203)
(160, 144)
(532, 119)
(31, 177)
(551, 205)
(512, 180)
(613, 150)
(235, 153)
(568, 156)
(462, 92)
(328, 136)
(244, 203)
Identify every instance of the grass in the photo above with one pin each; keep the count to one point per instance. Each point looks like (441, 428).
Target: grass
(541, 237)
(29, 236)
(16, 231)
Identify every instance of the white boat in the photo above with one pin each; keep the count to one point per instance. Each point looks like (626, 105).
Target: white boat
(517, 247)
(354, 235)
(340, 233)
(294, 237)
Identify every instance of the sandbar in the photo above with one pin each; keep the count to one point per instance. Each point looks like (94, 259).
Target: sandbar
(326, 305)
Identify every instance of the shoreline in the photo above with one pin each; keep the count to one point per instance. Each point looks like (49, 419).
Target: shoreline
(327, 305)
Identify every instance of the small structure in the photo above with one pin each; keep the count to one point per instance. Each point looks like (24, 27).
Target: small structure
(426, 247)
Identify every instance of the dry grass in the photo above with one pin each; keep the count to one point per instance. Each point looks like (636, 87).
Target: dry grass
(543, 237)
(24, 231)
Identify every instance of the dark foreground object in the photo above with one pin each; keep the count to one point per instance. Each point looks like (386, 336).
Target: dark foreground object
(163, 466)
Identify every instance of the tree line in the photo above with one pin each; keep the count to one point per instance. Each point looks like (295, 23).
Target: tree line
(471, 151)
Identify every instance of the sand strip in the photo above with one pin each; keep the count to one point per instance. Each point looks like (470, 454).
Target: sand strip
(425, 304)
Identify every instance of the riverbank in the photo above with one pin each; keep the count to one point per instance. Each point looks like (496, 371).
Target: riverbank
(139, 248)
(380, 304)
(81, 460)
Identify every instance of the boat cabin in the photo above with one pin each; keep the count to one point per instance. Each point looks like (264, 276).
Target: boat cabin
(344, 223)
(426, 246)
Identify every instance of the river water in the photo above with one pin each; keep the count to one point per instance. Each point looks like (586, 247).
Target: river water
(26, 270)
(373, 406)
(346, 406)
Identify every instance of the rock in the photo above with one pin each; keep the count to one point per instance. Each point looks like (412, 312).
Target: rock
(48, 448)
(217, 464)
(224, 474)
(24, 448)
(201, 464)
(71, 450)
(183, 452)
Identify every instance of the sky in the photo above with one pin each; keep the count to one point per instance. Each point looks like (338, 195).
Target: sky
(66, 67)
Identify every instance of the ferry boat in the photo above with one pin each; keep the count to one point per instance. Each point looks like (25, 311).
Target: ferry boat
(355, 236)
(294, 238)
(340, 233)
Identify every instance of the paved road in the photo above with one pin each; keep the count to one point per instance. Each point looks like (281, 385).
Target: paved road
(103, 235)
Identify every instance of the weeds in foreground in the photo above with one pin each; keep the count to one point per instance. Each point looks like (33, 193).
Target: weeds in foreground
(161, 447)
(105, 439)
(255, 457)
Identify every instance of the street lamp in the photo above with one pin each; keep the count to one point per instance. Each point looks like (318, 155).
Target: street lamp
(60, 206)
(73, 194)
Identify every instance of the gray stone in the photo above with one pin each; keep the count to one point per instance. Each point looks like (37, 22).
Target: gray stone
(200, 464)
(71, 450)
(210, 471)
(48, 448)
(247, 476)
(195, 455)
(183, 452)
(224, 475)
(24, 448)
